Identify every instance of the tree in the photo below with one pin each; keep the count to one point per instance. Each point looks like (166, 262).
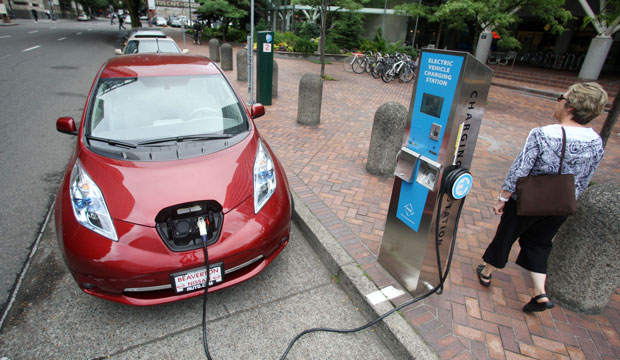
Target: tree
(347, 29)
(224, 11)
(606, 23)
(482, 17)
(610, 122)
(326, 6)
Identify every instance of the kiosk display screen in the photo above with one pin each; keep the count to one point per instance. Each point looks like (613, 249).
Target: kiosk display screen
(431, 105)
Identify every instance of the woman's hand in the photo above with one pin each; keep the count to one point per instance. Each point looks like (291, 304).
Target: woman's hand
(498, 208)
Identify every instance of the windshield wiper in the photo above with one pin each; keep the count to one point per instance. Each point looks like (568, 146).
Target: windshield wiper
(112, 141)
(186, 138)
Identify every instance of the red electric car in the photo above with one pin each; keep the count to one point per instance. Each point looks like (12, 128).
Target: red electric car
(164, 140)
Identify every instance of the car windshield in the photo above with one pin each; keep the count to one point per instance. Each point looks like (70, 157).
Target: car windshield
(151, 46)
(151, 108)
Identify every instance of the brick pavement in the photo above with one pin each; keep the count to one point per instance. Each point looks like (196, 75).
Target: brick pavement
(326, 168)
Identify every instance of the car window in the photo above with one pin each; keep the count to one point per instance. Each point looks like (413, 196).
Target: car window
(132, 47)
(138, 109)
(151, 46)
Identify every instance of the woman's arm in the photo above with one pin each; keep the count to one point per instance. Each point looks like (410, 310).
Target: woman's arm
(523, 163)
(504, 196)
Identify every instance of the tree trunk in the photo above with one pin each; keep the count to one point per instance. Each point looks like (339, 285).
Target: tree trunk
(438, 36)
(225, 30)
(610, 122)
(323, 36)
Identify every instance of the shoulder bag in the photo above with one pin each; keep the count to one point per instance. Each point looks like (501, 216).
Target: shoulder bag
(547, 195)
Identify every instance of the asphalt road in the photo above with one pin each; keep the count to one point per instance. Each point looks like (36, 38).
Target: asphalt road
(53, 319)
(47, 71)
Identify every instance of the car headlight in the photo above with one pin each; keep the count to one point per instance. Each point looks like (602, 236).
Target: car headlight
(264, 177)
(88, 203)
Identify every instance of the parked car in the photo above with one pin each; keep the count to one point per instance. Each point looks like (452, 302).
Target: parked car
(149, 41)
(159, 21)
(83, 17)
(174, 21)
(185, 21)
(165, 141)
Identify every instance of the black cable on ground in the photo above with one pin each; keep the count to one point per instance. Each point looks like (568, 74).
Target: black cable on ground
(442, 276)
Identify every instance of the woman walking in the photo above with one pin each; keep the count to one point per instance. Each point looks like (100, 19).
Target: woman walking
(541, 155)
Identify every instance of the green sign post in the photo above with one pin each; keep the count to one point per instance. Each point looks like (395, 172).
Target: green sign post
(264, 66)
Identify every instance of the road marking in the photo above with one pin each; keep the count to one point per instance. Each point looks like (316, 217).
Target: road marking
(33, 31)
(53, 27)
(31, 48)
(4, 57)
(80, 33)
(62, 38)
(5, 36)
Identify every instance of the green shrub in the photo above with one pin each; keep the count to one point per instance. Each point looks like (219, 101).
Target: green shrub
(331, 47)
(346, 30)
(308, 30)
(304, 46)
(209, 33)
(367, 45)
(287, 37)
(236, 35)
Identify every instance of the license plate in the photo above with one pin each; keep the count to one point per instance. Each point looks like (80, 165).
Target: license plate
(195, 279)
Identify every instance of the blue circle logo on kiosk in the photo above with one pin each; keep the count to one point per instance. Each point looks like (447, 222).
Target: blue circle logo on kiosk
(269, 38)
(461, 186)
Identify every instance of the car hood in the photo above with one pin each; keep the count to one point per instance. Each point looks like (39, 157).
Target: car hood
(137, 191)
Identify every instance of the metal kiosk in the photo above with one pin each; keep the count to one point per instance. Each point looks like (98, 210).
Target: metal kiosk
(264, 66)
(444, 119)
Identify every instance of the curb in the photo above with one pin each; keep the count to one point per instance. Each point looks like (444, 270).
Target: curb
(394, 331)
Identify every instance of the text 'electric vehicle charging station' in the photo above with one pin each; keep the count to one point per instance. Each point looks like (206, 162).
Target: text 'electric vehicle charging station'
(431, 176)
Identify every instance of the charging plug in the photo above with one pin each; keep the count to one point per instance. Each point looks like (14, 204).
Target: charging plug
(202, 227)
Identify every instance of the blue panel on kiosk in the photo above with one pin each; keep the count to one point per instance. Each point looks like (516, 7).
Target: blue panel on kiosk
(436, 86)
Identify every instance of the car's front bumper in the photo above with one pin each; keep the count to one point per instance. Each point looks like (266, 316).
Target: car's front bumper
(136, 269)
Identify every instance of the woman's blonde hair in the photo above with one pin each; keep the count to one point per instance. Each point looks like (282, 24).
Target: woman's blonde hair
(587, 101)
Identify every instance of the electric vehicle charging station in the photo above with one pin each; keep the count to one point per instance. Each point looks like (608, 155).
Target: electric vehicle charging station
(431, 177)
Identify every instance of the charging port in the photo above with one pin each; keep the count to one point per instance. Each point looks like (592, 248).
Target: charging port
(178, 225)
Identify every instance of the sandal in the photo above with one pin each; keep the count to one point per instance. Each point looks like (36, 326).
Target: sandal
(484, 280)
(535, 306)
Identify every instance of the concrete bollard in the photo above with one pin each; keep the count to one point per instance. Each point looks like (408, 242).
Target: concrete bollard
(227, 61)
(386, 138)
(584, 265)
(274, 79)
(309, 101)
(242, 65)
(214, 50)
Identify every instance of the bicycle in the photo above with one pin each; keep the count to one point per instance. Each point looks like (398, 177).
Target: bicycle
(408, 72)
(362, 64)
(349, 60)
(396, 68)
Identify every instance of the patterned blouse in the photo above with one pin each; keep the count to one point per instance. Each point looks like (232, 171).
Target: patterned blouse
(543, 148)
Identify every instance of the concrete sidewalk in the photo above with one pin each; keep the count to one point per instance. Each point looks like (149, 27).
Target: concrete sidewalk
(326, 168)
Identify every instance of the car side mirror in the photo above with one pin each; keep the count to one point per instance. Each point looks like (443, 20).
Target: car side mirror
(118, 51)
(185, 51)
(257, 110)
(66, 125)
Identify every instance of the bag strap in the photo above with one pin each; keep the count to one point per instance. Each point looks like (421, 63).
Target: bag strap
(563, 150)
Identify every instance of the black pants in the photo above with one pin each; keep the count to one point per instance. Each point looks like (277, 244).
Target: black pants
(535, 234)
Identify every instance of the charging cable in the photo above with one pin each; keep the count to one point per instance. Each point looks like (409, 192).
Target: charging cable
(202, 227)
(447, 184)
(446, 188)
